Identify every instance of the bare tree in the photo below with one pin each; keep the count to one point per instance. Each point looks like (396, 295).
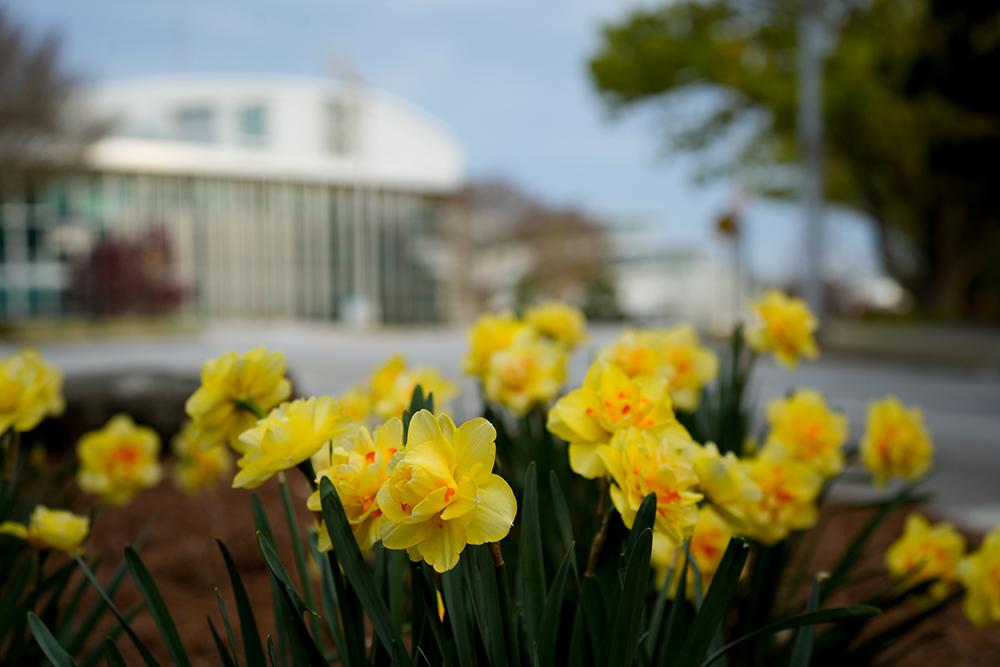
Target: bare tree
(40, 127)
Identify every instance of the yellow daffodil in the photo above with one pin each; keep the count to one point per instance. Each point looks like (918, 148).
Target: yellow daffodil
(803, 428)
(119, 460)
(636, 353)
(30, 389)
(50, 529)
(895, 443)
(926, 553)
(788, 499)
(393, 383)
(725, 481)
(198, 466)
(356, 404)
(708, 544)
(785, 328)
(609, 401)
(980, 574)
(689, 366)
(442, 494)
(639, 463)
(287, 436)
(233, 387)
(489, 334)
(359, 464)
(529, 372)
(559, 321)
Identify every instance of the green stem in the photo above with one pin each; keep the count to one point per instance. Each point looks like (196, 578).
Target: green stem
(306, 468)
(250, 406)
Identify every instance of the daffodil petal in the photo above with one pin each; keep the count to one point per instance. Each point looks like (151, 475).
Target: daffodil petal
(492, 518)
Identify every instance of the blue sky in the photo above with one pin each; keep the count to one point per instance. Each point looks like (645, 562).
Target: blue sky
(509, 77)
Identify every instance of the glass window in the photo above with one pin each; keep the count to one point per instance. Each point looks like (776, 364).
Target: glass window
(253, 125)
(196, 124)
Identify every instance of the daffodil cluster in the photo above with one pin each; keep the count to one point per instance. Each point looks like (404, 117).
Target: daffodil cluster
(119, 460)
(289, 435)
(357, 464)
(926, 552)
(391, 388)
(784, 327)
(608, 402)
(804, 429)
(30, 390)
(979, 572)
(675, 354)
(198, 464)
(60, 530)
(431, 496)
(522, 363)
(896, 443)
(235, 390)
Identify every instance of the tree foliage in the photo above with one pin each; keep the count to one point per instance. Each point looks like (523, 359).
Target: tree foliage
(911, 118)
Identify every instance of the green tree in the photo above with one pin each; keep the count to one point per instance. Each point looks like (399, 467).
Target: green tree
(911, 118)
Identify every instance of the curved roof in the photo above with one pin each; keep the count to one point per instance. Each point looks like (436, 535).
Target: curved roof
(274, 128)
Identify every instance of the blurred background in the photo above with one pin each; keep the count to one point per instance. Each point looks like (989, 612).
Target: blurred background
(342, 182)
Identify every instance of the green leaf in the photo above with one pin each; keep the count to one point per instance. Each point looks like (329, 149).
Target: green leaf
(56, 654)
(456, 595)
(803, 648)
(563, 521)
(139, 645)
(263, 525)
(532, 565)
(835, 615)
(298, 551)
(220, 646)
(854, 549)
(659, 608)
(625, 624)
(357, 571)
(553, 610)
(274, 564)
(594, 619)
(17, 582)
(677, 619)
(644, 518)
(271, 652)
(98, 652)
(112, 654)
(425, 594)
(303, 646)
(224, 612)
(331, 605)
(253, 650)
(157, 607)
(486, 603)
(717, 601)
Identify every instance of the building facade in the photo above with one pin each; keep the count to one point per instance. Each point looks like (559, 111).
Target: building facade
(280, 198)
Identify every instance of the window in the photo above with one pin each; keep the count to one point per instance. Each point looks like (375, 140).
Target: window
(196, 124)
(253, 125)
(341, 127)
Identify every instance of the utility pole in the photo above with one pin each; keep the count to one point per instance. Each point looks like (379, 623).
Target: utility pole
(810, 131)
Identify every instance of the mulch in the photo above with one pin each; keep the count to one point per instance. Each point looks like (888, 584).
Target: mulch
(181, 554)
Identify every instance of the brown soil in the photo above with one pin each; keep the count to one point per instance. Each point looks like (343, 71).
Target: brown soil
(182, 556)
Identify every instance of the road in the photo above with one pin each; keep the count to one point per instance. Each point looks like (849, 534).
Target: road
(962, 407)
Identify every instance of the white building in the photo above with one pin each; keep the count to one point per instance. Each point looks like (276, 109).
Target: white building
(659, 281)
(281, 197)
